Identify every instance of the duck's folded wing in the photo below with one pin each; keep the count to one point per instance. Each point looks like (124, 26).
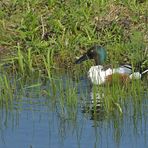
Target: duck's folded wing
(125, 69)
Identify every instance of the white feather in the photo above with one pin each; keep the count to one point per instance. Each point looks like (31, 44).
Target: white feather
(97, 75)
(135, 75)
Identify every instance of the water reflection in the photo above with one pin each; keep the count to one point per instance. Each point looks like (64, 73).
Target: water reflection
(54, 118)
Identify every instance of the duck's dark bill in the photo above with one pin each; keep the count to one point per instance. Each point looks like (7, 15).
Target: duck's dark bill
(81, 59)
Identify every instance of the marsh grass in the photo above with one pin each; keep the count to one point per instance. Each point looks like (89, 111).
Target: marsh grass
(6, 91)
(63, 93)
(35, 32)
(116, 97)
(66, 97)
(48, 62)
(39, 36)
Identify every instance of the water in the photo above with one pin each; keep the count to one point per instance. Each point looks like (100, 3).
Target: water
(38, 120)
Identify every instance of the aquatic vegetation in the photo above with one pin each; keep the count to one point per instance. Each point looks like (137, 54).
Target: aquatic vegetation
(44, 93)
(46, 36)
(6, 91)
(59, 100)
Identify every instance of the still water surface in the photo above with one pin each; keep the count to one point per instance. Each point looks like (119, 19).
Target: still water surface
(38, 121)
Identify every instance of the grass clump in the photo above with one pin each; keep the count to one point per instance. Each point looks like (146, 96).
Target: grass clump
(64, 29)
(116, 99)
(6, 90)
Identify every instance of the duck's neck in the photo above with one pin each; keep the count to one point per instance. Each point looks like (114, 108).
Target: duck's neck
(98, 61)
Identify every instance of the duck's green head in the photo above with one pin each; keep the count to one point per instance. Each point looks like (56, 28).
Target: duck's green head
(96, 52)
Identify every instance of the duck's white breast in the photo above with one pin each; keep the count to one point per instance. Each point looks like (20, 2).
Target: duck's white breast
(97, 75)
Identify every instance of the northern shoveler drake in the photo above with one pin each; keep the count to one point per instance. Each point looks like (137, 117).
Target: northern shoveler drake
(98, 75)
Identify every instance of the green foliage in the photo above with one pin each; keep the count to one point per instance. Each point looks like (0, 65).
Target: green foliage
(68, 27)
(42, 35)
(6, 90)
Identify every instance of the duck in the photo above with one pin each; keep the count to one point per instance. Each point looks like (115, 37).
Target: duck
(98, 74)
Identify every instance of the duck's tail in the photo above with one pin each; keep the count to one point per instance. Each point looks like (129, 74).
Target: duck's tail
(143, 71)
(143, 74)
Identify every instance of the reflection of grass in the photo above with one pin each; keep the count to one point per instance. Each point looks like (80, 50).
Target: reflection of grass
(40, 35)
